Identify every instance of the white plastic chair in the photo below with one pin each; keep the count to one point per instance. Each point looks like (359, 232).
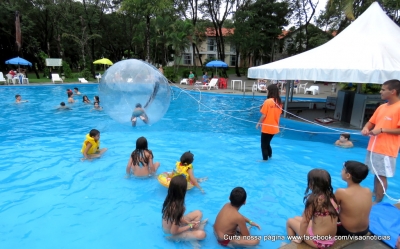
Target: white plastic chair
(212, 83)
(184, 81)
(2, 78)
(302, 86)
(55, 77)
(254, 88)
(82, 80)
(9, 79)
(313, 89)
(25, 80)
(98, 77)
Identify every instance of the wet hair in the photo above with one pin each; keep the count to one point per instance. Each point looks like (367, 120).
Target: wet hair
(85, 98)
(187, 158)
(62, 104)
(97, 98)
(138, 155)
(319, 183)
(138, 105)
(357, 170)
(94, 103)
(174, 204)
(69, 94)
(273, 92)
(345, 135)
(393, 85)
(93, 132)
(75, 88)
(16, 96)
(238, 197)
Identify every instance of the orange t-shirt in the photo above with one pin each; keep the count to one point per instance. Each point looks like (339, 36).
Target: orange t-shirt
(272, 113)
(386, 116)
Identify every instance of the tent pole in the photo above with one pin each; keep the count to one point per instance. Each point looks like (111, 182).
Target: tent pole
(287, 98)
(291, 83)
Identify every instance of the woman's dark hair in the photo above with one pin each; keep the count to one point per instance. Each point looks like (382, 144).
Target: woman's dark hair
(357, 170)
(174, 204)
(93, 132)
(97, 99)
(273, 92)
(85, 98)
(138, 154)
(187, 158)
(319, 182)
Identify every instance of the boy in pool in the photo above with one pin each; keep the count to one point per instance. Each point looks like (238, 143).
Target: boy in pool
(77, 92)
(230, 226)
(63, 107)
(139, 112)
(18, 99)
(91, 145)
(344, 141)
(355, 201)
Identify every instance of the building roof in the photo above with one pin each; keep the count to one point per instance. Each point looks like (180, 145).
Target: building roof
(225, 32)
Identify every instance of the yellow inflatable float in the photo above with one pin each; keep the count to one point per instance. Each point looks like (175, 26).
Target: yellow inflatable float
(165, 178)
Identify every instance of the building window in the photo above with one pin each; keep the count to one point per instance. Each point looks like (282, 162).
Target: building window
(211, 56)
(233, 49)
(187, 59)
(211, 46)
(233, 60)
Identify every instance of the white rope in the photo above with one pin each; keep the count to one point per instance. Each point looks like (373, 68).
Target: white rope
(376, 173)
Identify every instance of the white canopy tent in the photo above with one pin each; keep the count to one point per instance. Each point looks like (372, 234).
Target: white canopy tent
(367, 51)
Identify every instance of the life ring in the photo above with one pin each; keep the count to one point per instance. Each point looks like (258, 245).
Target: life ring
(165, 178)
(324, 120)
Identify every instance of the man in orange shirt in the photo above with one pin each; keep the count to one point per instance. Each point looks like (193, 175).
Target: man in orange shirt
(271, 111)
(384, 130)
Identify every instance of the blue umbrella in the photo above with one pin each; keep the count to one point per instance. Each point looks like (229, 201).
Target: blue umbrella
(18, 61)
(216, 64)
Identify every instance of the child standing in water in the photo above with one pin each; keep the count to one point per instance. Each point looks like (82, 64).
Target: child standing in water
(91, 145)
(320, 214)
(185, 168)
(186, 227)
(141, 161)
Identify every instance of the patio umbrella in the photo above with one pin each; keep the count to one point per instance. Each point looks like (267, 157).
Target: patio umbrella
(18, 61)
(103, 61)
(216, 64)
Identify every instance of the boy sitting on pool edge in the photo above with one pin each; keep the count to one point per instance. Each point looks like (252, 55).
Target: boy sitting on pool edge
(355, 201)
(230, 226)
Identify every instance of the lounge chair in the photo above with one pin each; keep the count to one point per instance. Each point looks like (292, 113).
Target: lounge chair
(184, 81)
(313, 89)
(82, 80)
(55, 77)
(9, 79)
(212, 83)
(2, 78)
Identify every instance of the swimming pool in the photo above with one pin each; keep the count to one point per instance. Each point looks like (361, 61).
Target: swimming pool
(50, 199)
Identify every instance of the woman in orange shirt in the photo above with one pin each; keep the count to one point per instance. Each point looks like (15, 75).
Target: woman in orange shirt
(271, 111)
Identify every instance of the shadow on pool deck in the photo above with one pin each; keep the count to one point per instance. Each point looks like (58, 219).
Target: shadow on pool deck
(348, 244)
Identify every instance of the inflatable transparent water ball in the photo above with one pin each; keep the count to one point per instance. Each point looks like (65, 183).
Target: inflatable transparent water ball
(134, 92)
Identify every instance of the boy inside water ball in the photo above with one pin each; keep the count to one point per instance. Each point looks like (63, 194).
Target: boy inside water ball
(139, 112)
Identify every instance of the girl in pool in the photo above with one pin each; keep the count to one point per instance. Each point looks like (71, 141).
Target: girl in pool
(96, 107)
(91, 145)
(185, 167)
(86, 100)
(320, 214)
(97, 99)
(186, 227)
(269, 121)
(141, 161)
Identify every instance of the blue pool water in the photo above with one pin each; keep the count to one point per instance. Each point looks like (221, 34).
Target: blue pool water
(51, 199)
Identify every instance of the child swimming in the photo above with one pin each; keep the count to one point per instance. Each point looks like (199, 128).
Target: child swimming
(91, 145)
(344, 141)
(174, 222)
(185, 168)
(85, 99)
(96, 107)
(320, 208)
(139, 112)
(230, 226)
(141, 161)
(18, 99)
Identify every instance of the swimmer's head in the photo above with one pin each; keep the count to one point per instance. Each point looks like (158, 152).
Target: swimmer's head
(141, 143)
(70, 94)
(85, 98)
(358, 171)
(94, 134)
(319, 180)
(76, 89)
(344, 137)
(97, 99)
(187, 158)
(62, 104)
(138, 105)
(174, 204)
(96, 104)
(17, 96)
(238, 197)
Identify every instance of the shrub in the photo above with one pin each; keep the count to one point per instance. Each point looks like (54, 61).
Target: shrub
(67, 70)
